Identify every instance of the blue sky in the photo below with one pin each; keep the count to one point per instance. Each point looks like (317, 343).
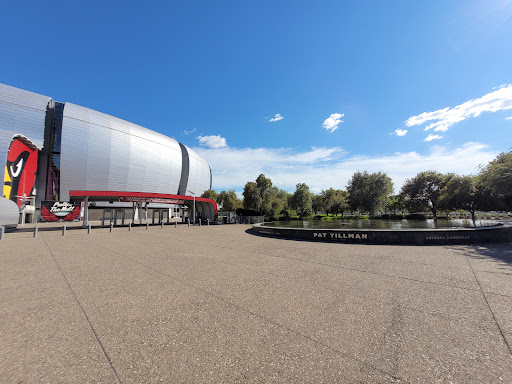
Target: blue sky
(214, 74)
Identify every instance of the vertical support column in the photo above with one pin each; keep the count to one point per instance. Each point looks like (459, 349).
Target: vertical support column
(23, 215)
(86, 211)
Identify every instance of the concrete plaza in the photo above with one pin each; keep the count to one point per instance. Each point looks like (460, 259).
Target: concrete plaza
(218, 304)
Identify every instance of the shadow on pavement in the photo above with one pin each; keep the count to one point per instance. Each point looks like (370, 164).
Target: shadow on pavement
(498, 251)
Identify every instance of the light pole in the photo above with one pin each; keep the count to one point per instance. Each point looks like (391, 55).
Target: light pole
(194, 210)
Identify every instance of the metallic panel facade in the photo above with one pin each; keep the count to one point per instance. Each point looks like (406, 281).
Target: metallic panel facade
(199, 179)
(101, 152)
(21, 112)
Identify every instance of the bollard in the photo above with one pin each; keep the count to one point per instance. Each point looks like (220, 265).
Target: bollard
(161, 225)
(147, 226)
(175, 224)
(129, 227)
(199, 222)
(89, 229)
(188, 221)
(207, 221)
(2, 232)
(64, 230)
(35, 231)
(111, 226)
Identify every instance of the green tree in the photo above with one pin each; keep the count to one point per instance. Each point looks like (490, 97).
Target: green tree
(229, 201)
(340, 202)
(279, 199)
(252, 198)
(395, 204)
(317, 203)
(264, 198)
(464, 192)
(497, 178)
(266, 193)
(335, 200)
(368, 192)
(302, 200)
(328, 200)
(210, 194)
(423, 191)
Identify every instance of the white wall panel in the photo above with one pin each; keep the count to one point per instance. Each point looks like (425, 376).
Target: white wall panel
(73, 161)
(137, 166)
(119, 161)
(119, 155)
(98, 158)
(199, 173)
(21, 112)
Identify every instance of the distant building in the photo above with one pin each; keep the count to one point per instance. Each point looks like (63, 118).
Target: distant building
(62, 152)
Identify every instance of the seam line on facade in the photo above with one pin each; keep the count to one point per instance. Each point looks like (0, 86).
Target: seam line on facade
(26, 106)
(127, 133)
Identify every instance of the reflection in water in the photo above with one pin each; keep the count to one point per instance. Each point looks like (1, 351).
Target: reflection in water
(380, 224)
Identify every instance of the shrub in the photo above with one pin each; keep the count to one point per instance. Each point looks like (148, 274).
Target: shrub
(416, 216)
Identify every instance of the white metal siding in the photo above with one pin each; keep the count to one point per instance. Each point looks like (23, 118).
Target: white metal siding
(199, 173)
(103, 153)
(21, 112)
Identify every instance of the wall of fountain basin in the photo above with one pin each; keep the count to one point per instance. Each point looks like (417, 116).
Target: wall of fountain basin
(445, 236)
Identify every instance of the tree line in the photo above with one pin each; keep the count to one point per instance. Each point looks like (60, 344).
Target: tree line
(371, 193)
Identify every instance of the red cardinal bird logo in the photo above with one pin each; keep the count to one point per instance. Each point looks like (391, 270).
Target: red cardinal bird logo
(20, 169)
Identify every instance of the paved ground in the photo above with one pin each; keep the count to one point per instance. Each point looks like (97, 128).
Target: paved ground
(216, 304)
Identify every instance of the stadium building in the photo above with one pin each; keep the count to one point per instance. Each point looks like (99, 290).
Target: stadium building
(67, 162)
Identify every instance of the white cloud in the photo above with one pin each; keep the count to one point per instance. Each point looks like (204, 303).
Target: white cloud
(442, 119)
(322, 168)
(189, 132)
(276, 117)
(433, 137)
(212, 141)
(332, 122)
(508, 118)
(401, 132)
(316, 155)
